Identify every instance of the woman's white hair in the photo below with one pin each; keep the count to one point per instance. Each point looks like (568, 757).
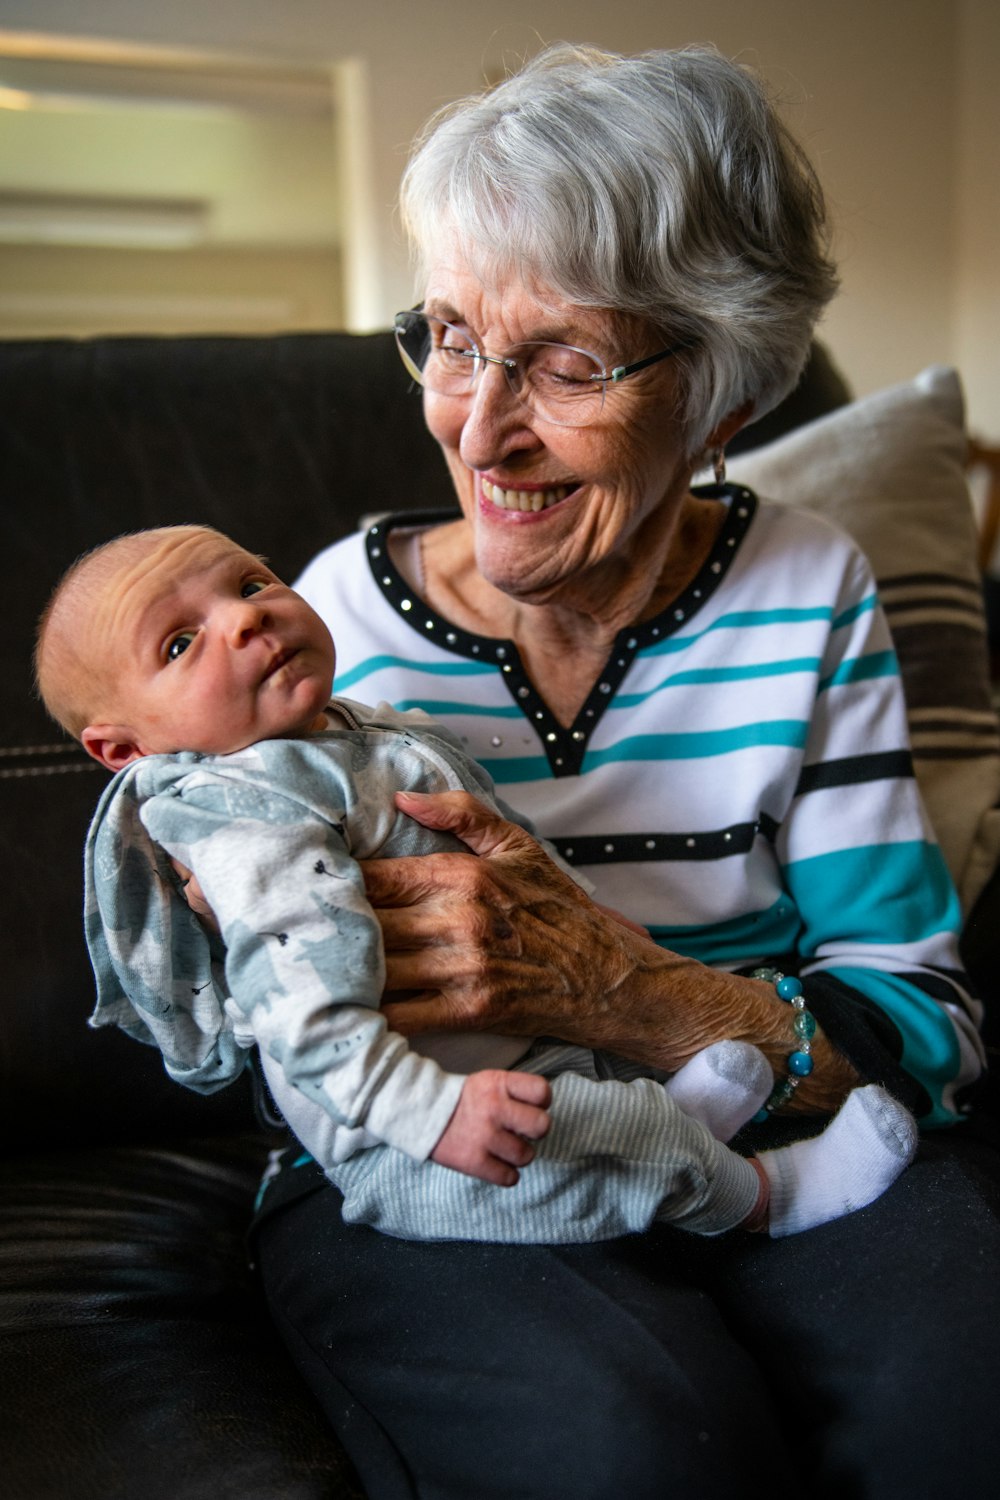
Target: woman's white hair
(663, 186)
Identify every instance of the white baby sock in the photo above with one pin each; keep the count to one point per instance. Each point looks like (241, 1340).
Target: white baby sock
(860, 1153)
(723, 1086)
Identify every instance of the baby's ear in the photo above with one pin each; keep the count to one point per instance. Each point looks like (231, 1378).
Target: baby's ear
(110, 744)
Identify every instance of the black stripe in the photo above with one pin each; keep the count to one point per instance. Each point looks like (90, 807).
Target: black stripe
(853, 770)
(952, 725)
(639, 848)
(947, 608)
(941, 580)
(957, 752)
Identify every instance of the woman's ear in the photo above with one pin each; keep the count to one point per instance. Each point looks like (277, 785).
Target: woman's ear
(729, 427)
(110, 744)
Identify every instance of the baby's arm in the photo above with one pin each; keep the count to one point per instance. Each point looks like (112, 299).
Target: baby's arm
(498, 1118)
(303, 959)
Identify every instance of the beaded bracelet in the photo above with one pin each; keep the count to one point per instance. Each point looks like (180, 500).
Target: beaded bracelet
(800, 1063)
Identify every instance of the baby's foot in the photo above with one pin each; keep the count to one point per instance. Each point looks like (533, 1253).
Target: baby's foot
(860, 1153)
(723, 1086)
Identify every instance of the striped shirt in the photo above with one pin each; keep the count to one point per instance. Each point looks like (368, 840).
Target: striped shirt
(739, 778)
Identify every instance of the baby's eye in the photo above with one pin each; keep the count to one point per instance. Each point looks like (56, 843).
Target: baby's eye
(252, 586)
(179, 644)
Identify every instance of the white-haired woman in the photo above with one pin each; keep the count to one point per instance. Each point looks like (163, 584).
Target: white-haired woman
(695, 697)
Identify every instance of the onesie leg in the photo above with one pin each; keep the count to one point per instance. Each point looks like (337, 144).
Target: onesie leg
(617, 1157)
(723, 1086)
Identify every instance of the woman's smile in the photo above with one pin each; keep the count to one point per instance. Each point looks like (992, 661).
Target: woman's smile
(527, 499)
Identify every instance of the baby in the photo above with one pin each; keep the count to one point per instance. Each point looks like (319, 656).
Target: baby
(182, 663)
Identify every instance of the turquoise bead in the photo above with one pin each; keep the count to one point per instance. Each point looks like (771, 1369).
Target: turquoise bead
(788, 988)
(800, 1063)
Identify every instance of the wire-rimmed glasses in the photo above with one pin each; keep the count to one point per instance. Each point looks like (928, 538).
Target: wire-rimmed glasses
(558, 382)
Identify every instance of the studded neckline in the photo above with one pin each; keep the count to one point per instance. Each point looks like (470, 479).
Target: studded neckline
(564, 747)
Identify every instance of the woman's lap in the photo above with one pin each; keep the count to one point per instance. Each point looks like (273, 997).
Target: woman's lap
(624, 1368)
(880, 1332)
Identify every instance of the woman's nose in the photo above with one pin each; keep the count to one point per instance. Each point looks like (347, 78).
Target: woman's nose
(496, 422)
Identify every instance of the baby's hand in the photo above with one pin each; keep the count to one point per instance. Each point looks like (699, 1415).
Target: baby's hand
(195, 898)
(497, 1119)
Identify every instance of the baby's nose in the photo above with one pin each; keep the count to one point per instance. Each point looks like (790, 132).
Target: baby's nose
(246, 619)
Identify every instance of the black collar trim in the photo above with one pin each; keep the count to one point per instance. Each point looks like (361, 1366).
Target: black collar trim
(564, 748)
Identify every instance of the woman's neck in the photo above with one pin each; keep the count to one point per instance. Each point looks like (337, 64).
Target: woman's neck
(565, 641)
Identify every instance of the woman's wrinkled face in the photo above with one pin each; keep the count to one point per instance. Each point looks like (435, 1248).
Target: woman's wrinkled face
(556, 508)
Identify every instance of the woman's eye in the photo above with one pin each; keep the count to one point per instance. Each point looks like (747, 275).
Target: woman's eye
(179, 644)
(252, 586)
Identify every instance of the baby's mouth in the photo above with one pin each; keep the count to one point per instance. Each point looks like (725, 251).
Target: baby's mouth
(533, 500)
(279, 661)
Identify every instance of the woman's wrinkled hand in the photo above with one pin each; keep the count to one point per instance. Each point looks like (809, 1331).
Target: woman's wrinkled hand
(498, 939)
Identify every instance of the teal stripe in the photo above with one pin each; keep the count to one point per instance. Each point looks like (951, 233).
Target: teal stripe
(697, 746)
(887, 894)
(773, 930)
(930, 1046)
(855, 612)
(438, 669)
(700, 676)
(658, 747)
(876, 893)
(862, 669)
(743, 619)
(517, 769)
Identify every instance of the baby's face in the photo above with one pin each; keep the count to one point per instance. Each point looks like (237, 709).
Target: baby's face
(209, 650)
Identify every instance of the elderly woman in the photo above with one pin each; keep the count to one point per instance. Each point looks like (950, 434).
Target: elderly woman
(696, 699)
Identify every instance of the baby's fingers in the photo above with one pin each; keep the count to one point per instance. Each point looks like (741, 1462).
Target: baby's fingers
(526, 1121)
(530, 1088)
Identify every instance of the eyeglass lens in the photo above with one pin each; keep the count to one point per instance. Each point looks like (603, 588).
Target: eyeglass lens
(553, 379)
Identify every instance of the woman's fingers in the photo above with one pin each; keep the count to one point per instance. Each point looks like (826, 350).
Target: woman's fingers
(483, 829)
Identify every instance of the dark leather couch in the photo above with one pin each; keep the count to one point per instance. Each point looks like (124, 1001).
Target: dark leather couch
(138, 1362)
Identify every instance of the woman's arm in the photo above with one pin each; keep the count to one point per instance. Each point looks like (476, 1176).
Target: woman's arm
(507, 942)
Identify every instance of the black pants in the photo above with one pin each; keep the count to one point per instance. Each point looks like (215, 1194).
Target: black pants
(859, 1359)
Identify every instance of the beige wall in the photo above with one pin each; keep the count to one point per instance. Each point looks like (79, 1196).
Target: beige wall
(894, 98)
(55, 290)
(976, 284)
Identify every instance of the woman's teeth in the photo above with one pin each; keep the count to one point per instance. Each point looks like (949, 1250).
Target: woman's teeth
(524, 499)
